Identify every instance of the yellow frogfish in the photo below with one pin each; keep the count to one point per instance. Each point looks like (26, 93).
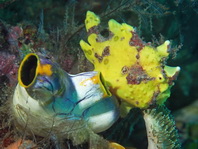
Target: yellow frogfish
(134, 71)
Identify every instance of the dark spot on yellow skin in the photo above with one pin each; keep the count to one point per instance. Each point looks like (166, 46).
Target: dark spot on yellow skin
(93, 29)
(100, 58)
(136, 75)
(138, 56)
(106, 51)
(125, 70)
(136, 41)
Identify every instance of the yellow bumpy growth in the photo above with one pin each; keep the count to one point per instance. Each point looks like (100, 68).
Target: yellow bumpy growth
(133, 70)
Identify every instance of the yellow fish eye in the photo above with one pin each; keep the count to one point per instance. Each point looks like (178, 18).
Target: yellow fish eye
(160, 78)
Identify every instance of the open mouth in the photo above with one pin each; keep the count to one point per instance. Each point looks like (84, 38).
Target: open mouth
(104, 85)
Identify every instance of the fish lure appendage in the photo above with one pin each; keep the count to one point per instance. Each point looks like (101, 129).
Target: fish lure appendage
(134, 70)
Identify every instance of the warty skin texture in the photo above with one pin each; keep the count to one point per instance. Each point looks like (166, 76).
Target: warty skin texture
(134, 71)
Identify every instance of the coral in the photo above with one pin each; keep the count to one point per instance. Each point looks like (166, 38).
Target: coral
(134, 70)
(8, 53)
(8, 67)
(161, 129)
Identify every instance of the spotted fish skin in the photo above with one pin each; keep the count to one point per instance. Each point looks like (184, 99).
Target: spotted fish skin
(133, 70)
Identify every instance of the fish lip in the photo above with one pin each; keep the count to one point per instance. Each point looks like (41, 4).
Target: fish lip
(104, 85)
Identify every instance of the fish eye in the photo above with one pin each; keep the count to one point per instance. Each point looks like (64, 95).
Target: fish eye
(160, 78)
